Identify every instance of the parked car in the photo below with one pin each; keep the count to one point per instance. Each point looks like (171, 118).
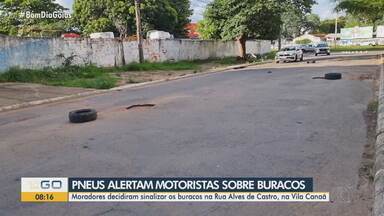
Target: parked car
(290, 53)
(322, 48)
(308, 48)
(70, 35)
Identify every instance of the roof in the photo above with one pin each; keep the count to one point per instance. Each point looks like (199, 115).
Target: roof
(192, 30)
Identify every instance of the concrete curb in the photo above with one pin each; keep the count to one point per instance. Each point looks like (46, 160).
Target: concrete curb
(50, 100)
(378, 209)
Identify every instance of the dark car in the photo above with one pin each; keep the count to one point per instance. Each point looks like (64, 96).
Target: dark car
(308, 48)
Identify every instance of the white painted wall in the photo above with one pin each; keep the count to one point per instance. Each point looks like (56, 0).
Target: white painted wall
(44, 52)
(314, 39)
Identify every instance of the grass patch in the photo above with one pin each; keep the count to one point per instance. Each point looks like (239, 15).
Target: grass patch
(357, 48)
(228, 61)
(70, 76)
(147, 66)
(373, 106)
(270, 56)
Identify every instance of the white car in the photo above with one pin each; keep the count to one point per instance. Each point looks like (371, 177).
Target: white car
(322, 48)
(290, 53)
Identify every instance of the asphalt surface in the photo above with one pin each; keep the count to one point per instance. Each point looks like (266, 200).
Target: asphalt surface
(243, 123)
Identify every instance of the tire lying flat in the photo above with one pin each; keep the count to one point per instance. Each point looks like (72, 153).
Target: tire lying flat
(333, 76)
(82, 116)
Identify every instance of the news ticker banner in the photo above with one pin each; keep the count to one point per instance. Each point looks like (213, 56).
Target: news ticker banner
(60, 189)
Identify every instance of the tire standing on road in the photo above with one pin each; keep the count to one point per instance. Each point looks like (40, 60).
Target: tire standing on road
(333, 76)
(82, 116)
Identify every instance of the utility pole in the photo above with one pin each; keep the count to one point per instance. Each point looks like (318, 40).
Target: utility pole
(138, 31)
(337, 17)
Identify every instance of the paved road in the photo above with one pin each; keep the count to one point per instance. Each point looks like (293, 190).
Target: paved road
(243, 123)
(345, 55)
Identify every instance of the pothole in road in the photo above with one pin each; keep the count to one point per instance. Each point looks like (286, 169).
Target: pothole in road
(361, 77)
(140, 106)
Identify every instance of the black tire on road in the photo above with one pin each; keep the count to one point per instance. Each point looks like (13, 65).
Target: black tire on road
(333, 76)
(83, 115)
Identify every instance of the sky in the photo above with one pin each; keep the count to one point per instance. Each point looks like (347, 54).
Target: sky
(324, 8)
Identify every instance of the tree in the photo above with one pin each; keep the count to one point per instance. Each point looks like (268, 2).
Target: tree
(241, 20)
(328, 25)
(14, 22)
(292, 21)
(311, 24)
(103, 15)
(159, 15)
(183, 9)
(119, 16)
(369, 10)
(296, 22)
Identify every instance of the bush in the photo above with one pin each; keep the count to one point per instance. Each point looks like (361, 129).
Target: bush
(304, 41)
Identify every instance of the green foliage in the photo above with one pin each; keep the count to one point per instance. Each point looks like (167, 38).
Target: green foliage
(373, 106)
(352, 21)
(297, 22)
(328, 26)
(183, 9)
(119, 16)
(98, 25)
(147, 66)
(208, 30)
(292, 22)
(311, 23)
(232, 19)
(228, 61)
(159, 15)
(369, 10)
(304, 41)
(251, 19)
(357, 48)
(71, 76)
(13, 23)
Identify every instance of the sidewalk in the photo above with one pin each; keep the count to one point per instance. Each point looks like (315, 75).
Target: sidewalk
(20, 93)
